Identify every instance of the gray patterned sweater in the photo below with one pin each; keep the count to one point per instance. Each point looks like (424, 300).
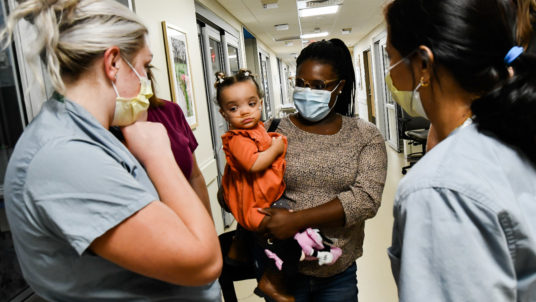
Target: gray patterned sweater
(351, 165)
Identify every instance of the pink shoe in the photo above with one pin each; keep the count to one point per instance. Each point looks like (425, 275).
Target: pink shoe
(309, 240)
(272, 255)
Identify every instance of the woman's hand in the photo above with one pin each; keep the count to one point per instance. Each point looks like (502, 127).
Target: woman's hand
(279, 223)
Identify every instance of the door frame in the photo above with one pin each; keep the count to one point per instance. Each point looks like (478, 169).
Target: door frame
(378, 83)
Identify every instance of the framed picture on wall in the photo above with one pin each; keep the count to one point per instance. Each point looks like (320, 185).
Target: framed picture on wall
(179, 71)
(358, 73)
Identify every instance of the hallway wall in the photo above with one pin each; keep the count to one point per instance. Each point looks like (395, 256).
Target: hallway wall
(182, 14)
(221, 12)
(359, 48)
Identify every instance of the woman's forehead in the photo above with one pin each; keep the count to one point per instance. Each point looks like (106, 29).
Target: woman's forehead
(316, 69)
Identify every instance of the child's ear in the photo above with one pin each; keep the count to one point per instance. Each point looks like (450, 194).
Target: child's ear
(223, 114)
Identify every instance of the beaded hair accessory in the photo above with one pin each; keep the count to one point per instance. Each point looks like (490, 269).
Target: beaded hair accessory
(220, 78)
(245, 72)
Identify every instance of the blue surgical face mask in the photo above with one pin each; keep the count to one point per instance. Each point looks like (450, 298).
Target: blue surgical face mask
(313, 104)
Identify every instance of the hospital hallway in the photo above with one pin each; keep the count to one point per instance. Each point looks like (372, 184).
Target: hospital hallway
(209, 36)
(374, 278)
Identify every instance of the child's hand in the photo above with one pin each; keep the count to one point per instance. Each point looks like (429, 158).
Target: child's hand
(278, 144)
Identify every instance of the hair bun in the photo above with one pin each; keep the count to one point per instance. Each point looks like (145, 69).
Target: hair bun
(220, 78)
(245, 72)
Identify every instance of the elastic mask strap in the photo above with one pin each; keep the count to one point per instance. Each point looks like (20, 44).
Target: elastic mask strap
(131, 67)
(336, 86)
(400, 61)
(415, 90)
(394, 65)
(115, 89)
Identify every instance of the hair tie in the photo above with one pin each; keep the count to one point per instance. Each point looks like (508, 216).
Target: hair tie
(512, 54)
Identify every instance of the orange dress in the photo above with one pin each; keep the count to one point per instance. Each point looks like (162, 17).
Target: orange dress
(245, 191)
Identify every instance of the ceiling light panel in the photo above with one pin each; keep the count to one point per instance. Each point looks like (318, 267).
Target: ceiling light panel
(309, 12)
(315, 35)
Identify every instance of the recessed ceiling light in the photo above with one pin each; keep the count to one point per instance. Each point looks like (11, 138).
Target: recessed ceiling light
(346, 31)
(314, 35)
(316, 30)
(308, 12)
(288, 43)
(281, 27)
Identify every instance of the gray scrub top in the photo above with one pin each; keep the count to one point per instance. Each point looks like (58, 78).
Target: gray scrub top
(465, 224)
(69, 180)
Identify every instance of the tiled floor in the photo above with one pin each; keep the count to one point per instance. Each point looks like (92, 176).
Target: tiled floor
(375, 281)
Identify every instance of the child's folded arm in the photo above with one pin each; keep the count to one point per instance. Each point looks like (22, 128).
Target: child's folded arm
(267, 157)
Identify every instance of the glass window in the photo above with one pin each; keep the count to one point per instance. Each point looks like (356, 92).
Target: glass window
(265, 86)
(233, 59)
(215, 56)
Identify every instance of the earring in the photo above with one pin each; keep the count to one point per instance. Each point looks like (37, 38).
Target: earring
(423, 83)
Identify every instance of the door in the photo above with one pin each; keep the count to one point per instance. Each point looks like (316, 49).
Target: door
(211, 48)
(369, 85)
(219, 54)
(391, 107)
(265, 84)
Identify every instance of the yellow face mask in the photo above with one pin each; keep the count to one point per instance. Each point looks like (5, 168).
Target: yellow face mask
(127, 110)
(410, 101)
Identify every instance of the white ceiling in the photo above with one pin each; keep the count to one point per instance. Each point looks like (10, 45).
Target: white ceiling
(360, 15)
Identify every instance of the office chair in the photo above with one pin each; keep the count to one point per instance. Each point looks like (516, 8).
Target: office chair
(231, 273)
(415, 130)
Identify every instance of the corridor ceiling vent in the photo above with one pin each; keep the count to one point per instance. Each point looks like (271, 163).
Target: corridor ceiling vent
(269, 4)
(346, 31)
(281, 27)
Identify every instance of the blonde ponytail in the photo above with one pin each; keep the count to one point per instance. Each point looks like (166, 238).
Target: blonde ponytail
(73, 33)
